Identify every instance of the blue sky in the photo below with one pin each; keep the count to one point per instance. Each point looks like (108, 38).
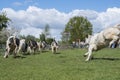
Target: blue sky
(61, 5)
(31, 16)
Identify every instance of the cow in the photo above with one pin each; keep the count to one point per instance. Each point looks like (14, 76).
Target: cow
(12, 45)
(119, 43)
(102, 39)
(54, 46)
(41, 45)
(23, 47)
(32, 46)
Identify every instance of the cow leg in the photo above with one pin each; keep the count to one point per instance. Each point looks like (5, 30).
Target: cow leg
(89, 50)
(34, 50)
(115, 38)
(29, 50)
(86, 54)
(55, 49)
(89, 53)
(41, 50)
(111, 43)
(20, 48)
(7, 52)
(20, 51)
(52, 50)
(15, 52)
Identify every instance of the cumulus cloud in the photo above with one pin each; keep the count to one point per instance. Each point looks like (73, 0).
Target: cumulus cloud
(29, 30)
(33, 19)
(106, 19)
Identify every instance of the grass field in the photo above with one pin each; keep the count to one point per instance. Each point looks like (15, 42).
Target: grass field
(67, 65)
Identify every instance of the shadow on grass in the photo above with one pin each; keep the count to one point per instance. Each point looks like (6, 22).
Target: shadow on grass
(21, 57)
(44, 51)
(111, 59)
(57, 53)
(39, 52)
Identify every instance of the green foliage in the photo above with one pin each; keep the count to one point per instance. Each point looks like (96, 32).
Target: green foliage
(3, 39)
(4, 20)
(42, 37)
(49, 40)
(28, 37)
(77, 27)
(68, 65)
(22, 36)
(46, 30)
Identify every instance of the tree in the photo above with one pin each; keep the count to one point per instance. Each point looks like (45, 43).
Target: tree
(78, 27)
(4, 20)
(46, 31)
(22, 36)
(12, 31)
(3, 38)
(42, 37)
(30, 37)
(49, 40)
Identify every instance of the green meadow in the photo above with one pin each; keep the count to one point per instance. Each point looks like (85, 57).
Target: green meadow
(65, 65)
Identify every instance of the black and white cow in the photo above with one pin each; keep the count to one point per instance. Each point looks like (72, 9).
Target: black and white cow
(32, 46)
(23, 47)
(41, 45)
(54, 46)
(12, 45)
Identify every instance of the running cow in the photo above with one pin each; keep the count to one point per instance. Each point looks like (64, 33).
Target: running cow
(12, 45)
(100, 40)
(32, 46)
(54, 46)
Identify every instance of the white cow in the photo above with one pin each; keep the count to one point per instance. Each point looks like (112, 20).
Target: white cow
(23, 47)
(12, 45)
(54, 47)
(102, 39)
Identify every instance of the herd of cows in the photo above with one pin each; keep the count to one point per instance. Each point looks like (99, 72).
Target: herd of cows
(15, 45)
(107, 37)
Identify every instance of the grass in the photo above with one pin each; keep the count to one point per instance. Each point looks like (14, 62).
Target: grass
(67, 65)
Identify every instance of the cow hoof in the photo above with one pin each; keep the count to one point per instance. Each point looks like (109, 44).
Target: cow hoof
(87, 60)
(5, 56)
(85, 55)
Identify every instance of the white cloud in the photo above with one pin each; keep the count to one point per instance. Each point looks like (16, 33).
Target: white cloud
(106, 19)
(17, 3)
(31, 30)
(33, 19)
